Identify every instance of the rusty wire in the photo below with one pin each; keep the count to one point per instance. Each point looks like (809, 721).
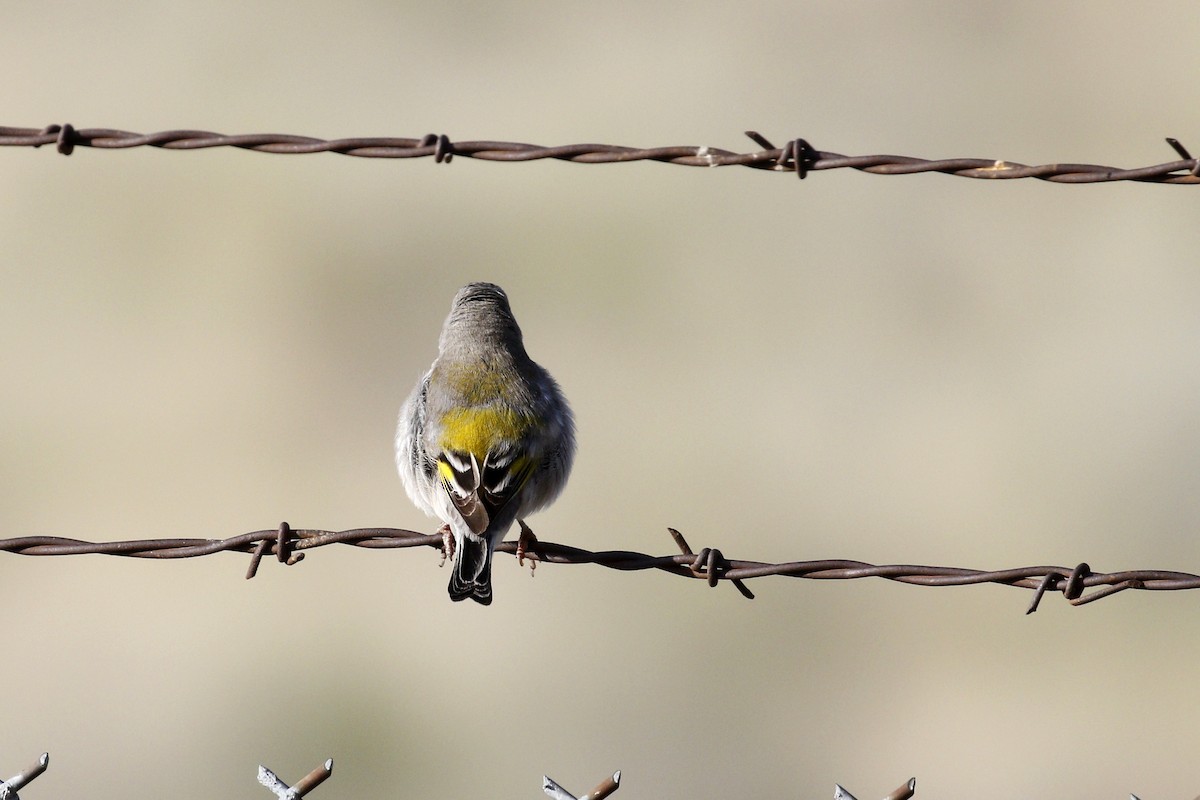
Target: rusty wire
(796, 156)
(287, 545)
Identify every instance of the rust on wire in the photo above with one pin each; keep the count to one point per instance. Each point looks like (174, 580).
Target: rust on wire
(709, 565)
(797, 155)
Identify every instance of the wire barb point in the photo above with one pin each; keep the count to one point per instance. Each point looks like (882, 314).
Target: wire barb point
(1185, 155)
(680, 542)
(10, 787)
(305, 785)
(605, 787)
(284, 538)
(1046, 583)
(601, 791)
(709, 564)
(840, 793)
(313, 779)
(904, 791)
(760, 140)
(553, 790)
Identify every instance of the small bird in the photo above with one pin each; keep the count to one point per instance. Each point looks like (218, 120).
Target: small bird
(485, 438)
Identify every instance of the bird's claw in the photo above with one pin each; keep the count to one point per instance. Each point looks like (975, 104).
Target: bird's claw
(527, 547)
(447, 545)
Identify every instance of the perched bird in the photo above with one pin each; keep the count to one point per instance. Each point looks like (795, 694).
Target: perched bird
(485, 438)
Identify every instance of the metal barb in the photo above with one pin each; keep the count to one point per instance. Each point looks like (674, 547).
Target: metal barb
(760, 140)
(443, 149)
(64, 138)
(904, 791)
(305, 785)
(256, 558)
(1046, 583)
(270, 780)
(799, 154)
(711, 565)
(1074, 587)
(555, 791)
(1185, 155)
(314, 779)
(601, 791)
(1179, 148)
(10, 787)
(840, 793)
(284, 540)
(680, 541)
(795, 156)
(283, 546)
(605, 787)
(687, 551)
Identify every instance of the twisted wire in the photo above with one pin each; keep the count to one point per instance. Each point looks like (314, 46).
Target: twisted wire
(289, 545)
(796, 156)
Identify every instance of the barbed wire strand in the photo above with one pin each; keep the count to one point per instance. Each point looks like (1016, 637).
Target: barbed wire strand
(796, 156)
(709, 564)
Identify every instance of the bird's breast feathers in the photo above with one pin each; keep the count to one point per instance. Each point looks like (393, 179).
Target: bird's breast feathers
(483, 429)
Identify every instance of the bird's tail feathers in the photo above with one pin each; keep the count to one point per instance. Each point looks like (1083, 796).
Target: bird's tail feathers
(472, 575)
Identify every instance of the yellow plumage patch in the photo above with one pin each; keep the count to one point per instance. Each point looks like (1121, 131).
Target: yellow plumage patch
(479, 429)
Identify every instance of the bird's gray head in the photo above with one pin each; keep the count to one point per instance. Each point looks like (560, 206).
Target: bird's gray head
(480, 314)
(486, 293)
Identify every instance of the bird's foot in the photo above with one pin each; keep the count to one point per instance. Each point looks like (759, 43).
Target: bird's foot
(527, 547)
(447, 545)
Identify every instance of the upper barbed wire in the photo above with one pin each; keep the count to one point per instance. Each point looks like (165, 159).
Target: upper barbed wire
(796, 156)
(288, 546)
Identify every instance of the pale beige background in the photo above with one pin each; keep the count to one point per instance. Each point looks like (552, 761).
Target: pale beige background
(917, 369)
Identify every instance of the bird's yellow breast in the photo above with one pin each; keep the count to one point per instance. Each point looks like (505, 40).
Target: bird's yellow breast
(479, 429)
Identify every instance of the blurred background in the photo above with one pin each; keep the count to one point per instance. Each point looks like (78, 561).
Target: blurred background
(920, 369)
